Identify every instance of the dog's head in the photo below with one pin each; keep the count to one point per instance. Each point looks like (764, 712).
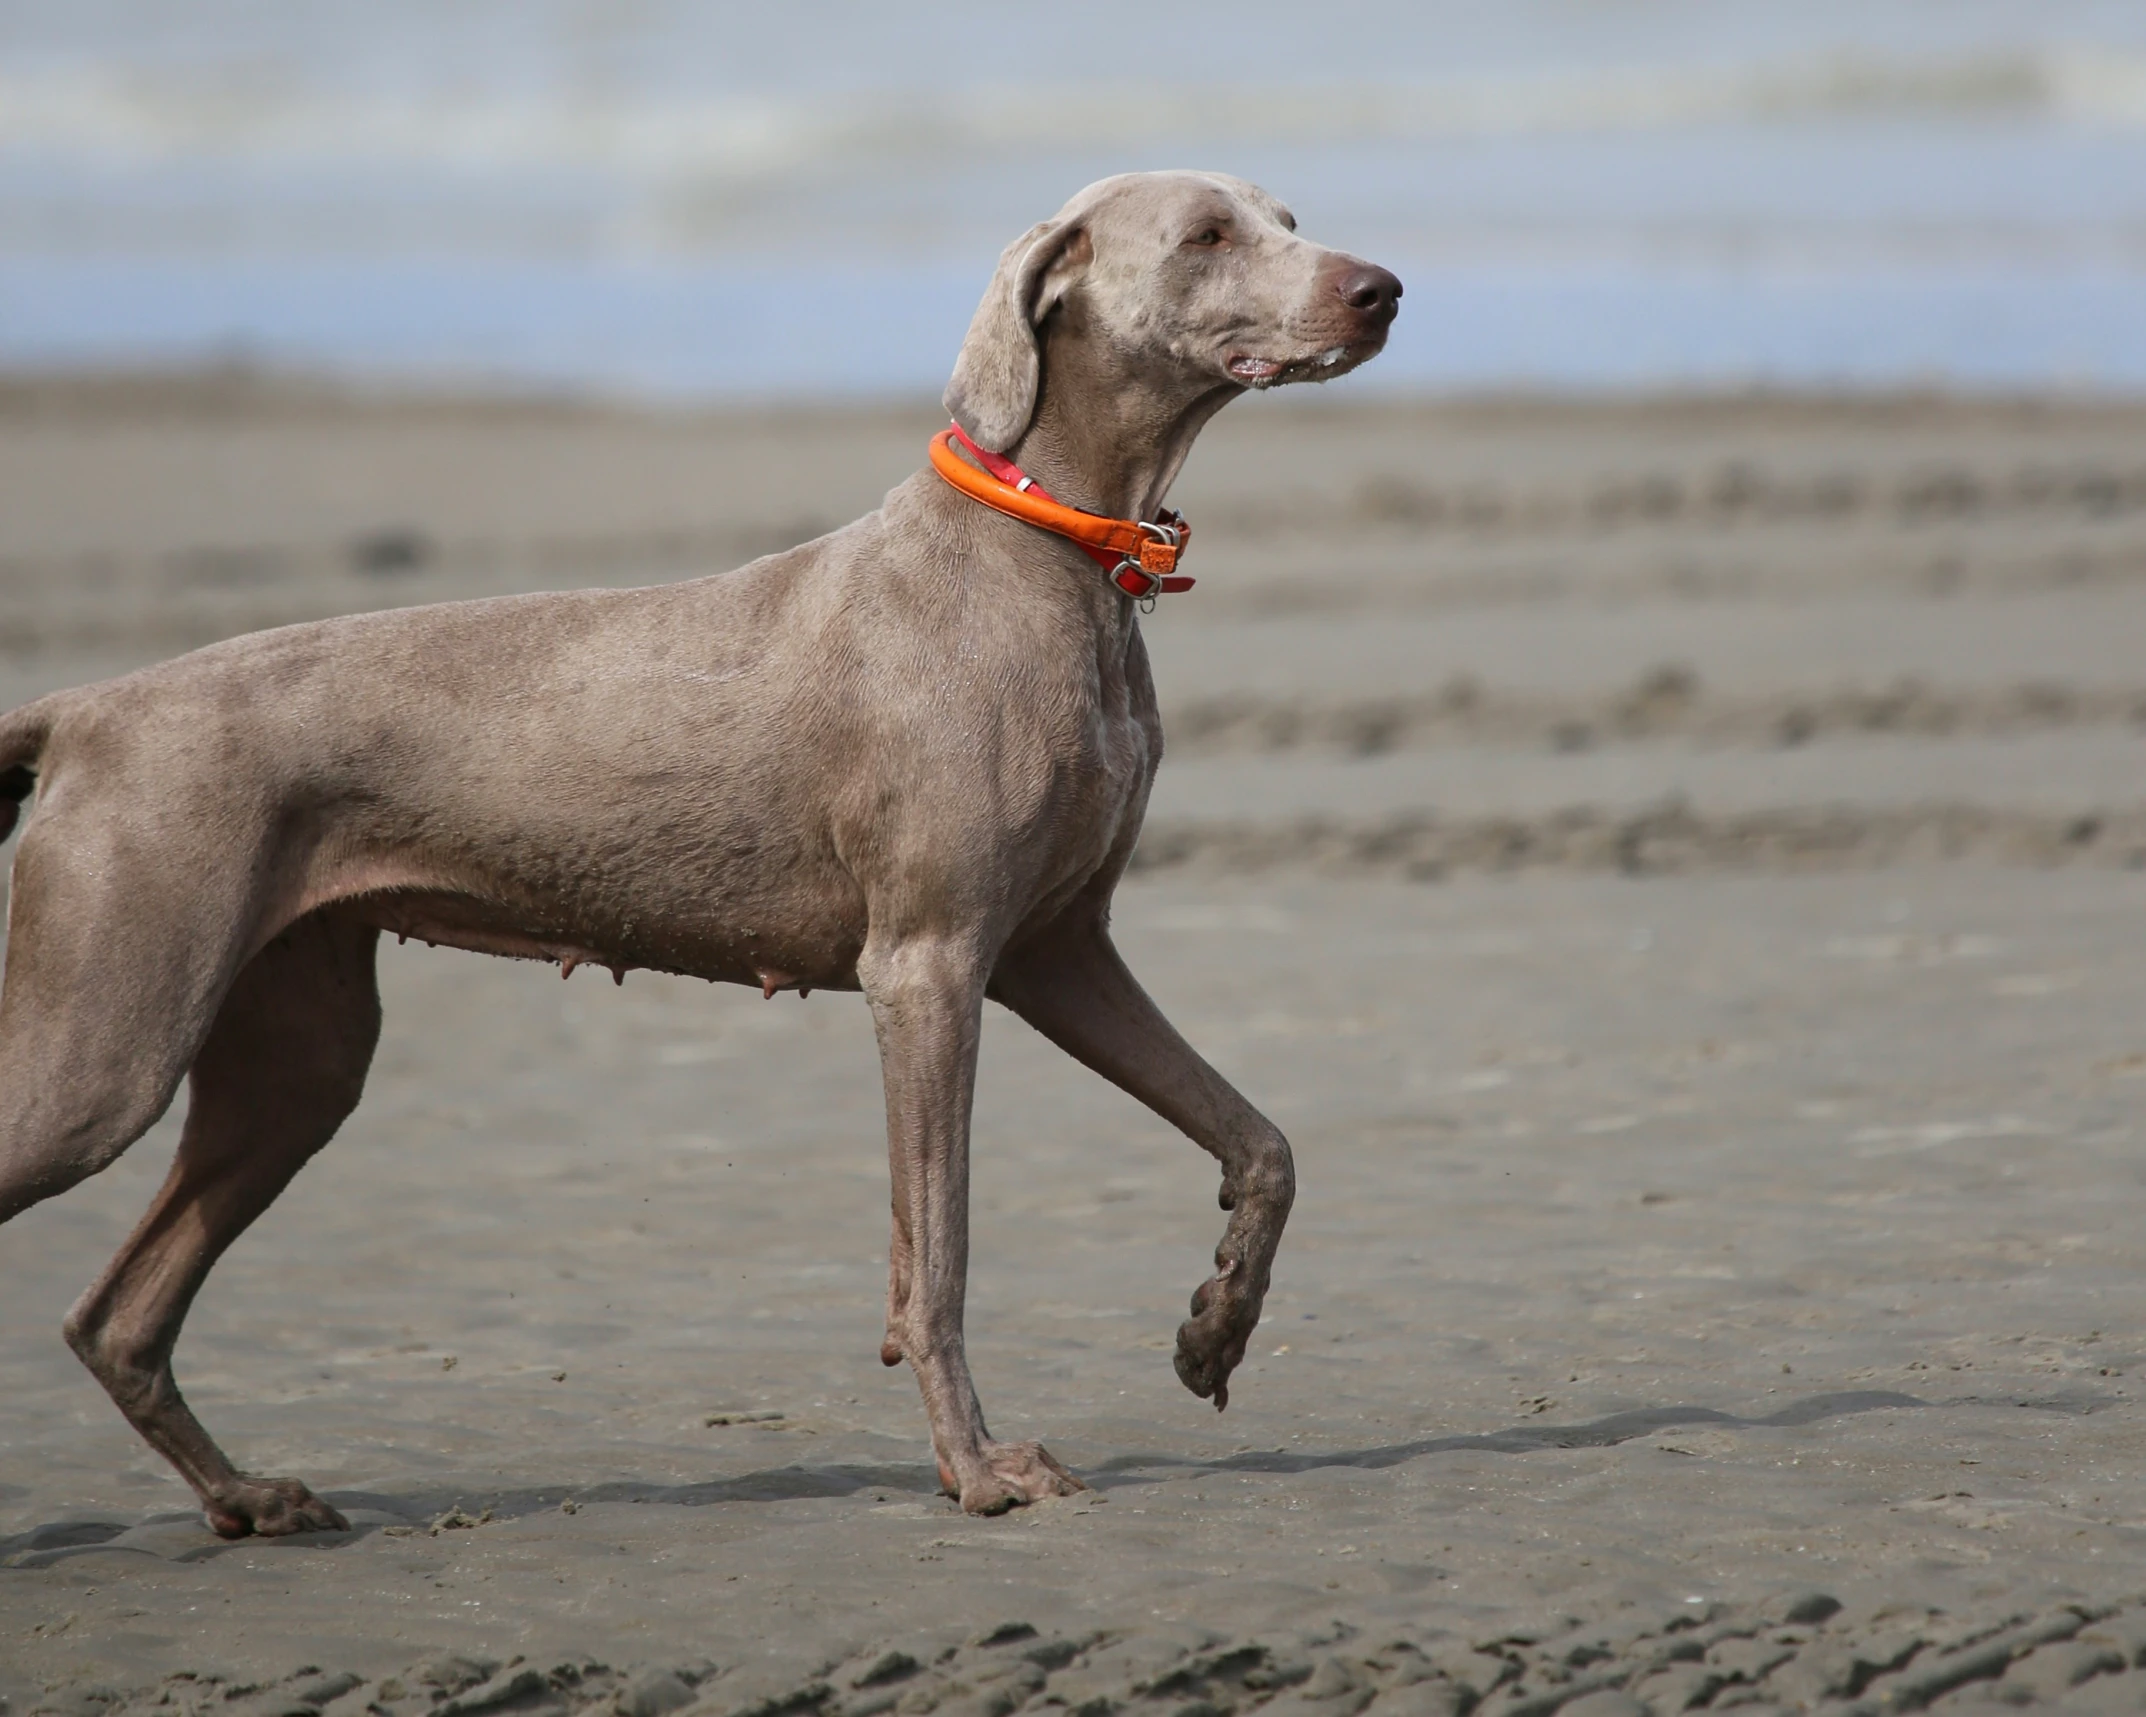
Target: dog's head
(1196, 277)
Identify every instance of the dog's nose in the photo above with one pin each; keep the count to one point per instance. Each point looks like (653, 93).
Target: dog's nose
(1370, 290)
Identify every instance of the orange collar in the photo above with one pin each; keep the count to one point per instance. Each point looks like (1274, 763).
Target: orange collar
(1141, 558)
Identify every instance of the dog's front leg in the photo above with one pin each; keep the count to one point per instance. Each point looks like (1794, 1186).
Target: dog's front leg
(926, 995)
(1072, 987)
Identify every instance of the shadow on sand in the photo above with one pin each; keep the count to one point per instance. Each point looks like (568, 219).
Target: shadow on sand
(183, 1538)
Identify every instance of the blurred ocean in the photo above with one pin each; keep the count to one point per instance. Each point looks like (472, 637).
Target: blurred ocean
(660, 197)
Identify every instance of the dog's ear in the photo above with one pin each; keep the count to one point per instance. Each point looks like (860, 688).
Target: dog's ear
(993, 391)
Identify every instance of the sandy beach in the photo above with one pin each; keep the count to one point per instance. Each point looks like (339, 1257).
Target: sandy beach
(1676, 869)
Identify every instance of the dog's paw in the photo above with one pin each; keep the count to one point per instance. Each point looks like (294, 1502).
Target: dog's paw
(1008, 1475)
(1211, 1343)
(270, 1508)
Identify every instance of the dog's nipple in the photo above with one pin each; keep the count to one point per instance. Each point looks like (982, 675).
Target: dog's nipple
(772, 978)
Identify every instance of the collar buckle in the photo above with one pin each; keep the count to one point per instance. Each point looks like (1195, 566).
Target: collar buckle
(1152, 571)
(1137, 582)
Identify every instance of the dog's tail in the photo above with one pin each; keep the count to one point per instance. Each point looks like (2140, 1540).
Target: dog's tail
(23, 733)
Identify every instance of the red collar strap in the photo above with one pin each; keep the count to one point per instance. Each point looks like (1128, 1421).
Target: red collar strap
(1140, 557)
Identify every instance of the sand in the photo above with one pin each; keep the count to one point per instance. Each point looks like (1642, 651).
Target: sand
(1674, 869)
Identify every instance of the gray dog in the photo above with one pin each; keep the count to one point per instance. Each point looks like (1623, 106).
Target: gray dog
(910, 758)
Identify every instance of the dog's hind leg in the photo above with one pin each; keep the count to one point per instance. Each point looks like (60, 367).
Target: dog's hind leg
(1073, 988)
(110, 987)
(283, 1066)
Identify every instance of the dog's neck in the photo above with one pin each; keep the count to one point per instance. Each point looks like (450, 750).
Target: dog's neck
(1108, 435)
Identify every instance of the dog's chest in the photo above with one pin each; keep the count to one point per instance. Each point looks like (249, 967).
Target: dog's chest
(1117, 760)
(1107, 769)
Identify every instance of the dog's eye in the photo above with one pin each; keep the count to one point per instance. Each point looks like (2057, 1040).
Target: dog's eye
(1206, 238)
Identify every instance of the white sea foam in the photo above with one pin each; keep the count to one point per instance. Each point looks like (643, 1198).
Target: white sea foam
(689, 196)
(120, 115)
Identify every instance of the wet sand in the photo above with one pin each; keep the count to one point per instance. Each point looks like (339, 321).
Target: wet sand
(1673, 868)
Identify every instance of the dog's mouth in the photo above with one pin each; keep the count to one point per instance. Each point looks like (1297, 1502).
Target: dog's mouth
(1257, 372)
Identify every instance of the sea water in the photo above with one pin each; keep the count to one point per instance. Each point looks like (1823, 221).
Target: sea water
(710, 200)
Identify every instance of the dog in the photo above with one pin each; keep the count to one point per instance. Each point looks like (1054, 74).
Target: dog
(910, 758)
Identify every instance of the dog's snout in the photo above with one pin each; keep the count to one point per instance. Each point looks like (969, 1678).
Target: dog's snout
(1371, 290)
